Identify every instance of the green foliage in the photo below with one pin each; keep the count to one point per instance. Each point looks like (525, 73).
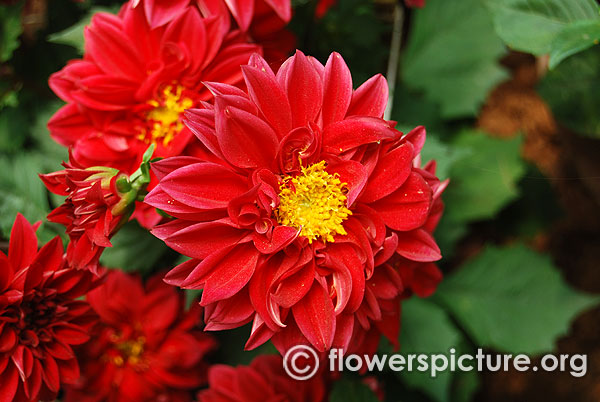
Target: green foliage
(445, 155)
(73, 36)
(484, 173)
(484, 179)
(351, 28)
(134, 250)
(347, 390)
(547, 26)
(452, 54)
(22, 191)
(573, 92)
(10, 30)
(11, 128)
(426, 328)
(512, 299)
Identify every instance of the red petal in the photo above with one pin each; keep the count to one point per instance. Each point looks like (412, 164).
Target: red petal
(201, 239)
(304, 89)
(232, 273)
(245, 140)
(242, 11)
(112, 51)
(371, 98)
(407, 208)
(277, 239)
(9, 380)
(203, 186)
(354, 175)
(356, 131)
(50, 373)
(269, 97)
(283, 8)
(391, 172)
(315, 317)
(23, 243)
(337, 91)
(6, 272)
(418, 245)
(160, 12)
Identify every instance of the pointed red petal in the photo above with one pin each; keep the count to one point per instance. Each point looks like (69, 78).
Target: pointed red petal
(337, 90)
(315, 317)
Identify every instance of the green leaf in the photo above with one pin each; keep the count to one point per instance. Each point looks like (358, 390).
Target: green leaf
(573, 92)
(452, 54)
(10, 30)
(445, 155)
(427, 329)
(573, 39)
(346, 390)
(485, 179)
(22, 191)
(12, 125)
(73, 36)
(465, 384)
(134, 249)
(512, 299)
(546, 26)
(55, 153)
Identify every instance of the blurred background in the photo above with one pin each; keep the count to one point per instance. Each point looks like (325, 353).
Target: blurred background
(509, 91)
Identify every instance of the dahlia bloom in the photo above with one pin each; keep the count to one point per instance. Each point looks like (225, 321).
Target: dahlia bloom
(135, 80)
(99, 201)
(145, 347)
(41, 317)
(263, 380)
(307, 191)
(259, 21)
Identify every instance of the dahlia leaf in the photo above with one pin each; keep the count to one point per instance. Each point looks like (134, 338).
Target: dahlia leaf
(22, 191)
(445, 155)
(426, 328)
(547, 26)
(572, 91)
(445, 59)
(512, 299)
(73, 36)
(134, 249)
(10, 30)
(485, 179)
(346, 390)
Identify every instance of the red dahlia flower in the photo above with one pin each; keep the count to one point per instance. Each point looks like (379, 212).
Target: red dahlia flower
(41, 317)
(259, 21)
(263, 380)
(308, 190)
(145, 347)
(134, 82)
(99, 201)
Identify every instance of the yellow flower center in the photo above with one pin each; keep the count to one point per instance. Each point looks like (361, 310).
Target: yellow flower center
(314, 202)
(131, 352)
(164, 121)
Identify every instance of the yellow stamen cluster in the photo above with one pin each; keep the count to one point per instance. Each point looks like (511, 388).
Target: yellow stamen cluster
(314, 202)
(131, 352)
(164, 119)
